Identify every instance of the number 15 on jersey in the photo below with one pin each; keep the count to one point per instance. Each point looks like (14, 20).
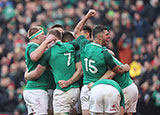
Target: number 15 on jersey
(89, 65)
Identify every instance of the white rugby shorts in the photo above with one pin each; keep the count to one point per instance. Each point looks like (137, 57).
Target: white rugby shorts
(104, 98)
(36, 101)
(84, 97)
(131, 98)
(63, 102)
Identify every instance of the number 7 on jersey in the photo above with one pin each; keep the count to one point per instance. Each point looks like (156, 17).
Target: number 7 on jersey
(69, 58)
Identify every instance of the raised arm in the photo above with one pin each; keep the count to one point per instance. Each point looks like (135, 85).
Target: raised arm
(81, 24)
(36, 54)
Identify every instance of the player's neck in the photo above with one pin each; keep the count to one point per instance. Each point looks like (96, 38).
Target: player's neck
(97, 41)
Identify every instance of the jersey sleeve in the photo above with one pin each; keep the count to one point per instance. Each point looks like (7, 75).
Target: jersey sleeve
(109, 60)
(77, 56)
(122, 102)
(31, 49)
(45, 58)
(75, 44)
(82, 41)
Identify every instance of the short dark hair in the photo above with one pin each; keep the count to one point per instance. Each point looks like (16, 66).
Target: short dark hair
(97, 30)
(67, 36)
(56, 33)
(57, 26)
(88, 29)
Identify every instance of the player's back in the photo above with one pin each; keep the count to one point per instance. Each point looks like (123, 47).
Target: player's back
(93, 62)
(62, 62)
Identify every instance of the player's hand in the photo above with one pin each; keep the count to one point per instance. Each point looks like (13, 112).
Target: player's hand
(90, 85)
(63, 83)
(91, 13)
(51, 44)
(51, 38)
(27, 76)
(126, 67)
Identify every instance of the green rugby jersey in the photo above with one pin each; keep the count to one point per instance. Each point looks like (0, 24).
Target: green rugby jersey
(95, 60)
(43, 81)
(114, 84)
(124, 79)
(61, 58)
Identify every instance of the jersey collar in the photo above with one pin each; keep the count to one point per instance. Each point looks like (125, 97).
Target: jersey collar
(33, 43)
(57, 41)
(96, 44)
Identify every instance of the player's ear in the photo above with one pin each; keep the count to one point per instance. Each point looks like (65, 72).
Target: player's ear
(37, 37)
(87, 34)
(99, 37)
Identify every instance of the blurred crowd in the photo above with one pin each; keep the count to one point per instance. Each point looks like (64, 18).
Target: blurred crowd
(135, 39)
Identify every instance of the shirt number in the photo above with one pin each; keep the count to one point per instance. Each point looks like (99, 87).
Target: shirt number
(89, 66)
(69, 58)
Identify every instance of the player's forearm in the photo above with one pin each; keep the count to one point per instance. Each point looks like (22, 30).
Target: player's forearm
(37, 54)
(119, 70)
(76, 76)
(30, 76)
(35, 74)
(108, 75)
(80, 26)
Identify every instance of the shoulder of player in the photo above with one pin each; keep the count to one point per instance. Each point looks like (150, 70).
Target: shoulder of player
(92, 44)
(68, 45)
(32, 44)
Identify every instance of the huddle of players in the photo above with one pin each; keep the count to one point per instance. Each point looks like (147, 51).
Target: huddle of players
(49, 55)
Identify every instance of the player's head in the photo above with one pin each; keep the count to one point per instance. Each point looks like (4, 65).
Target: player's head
(101, 35)
(36, 34)
(58, 27)
(67, 36)
(87, 32)
(56, 33)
